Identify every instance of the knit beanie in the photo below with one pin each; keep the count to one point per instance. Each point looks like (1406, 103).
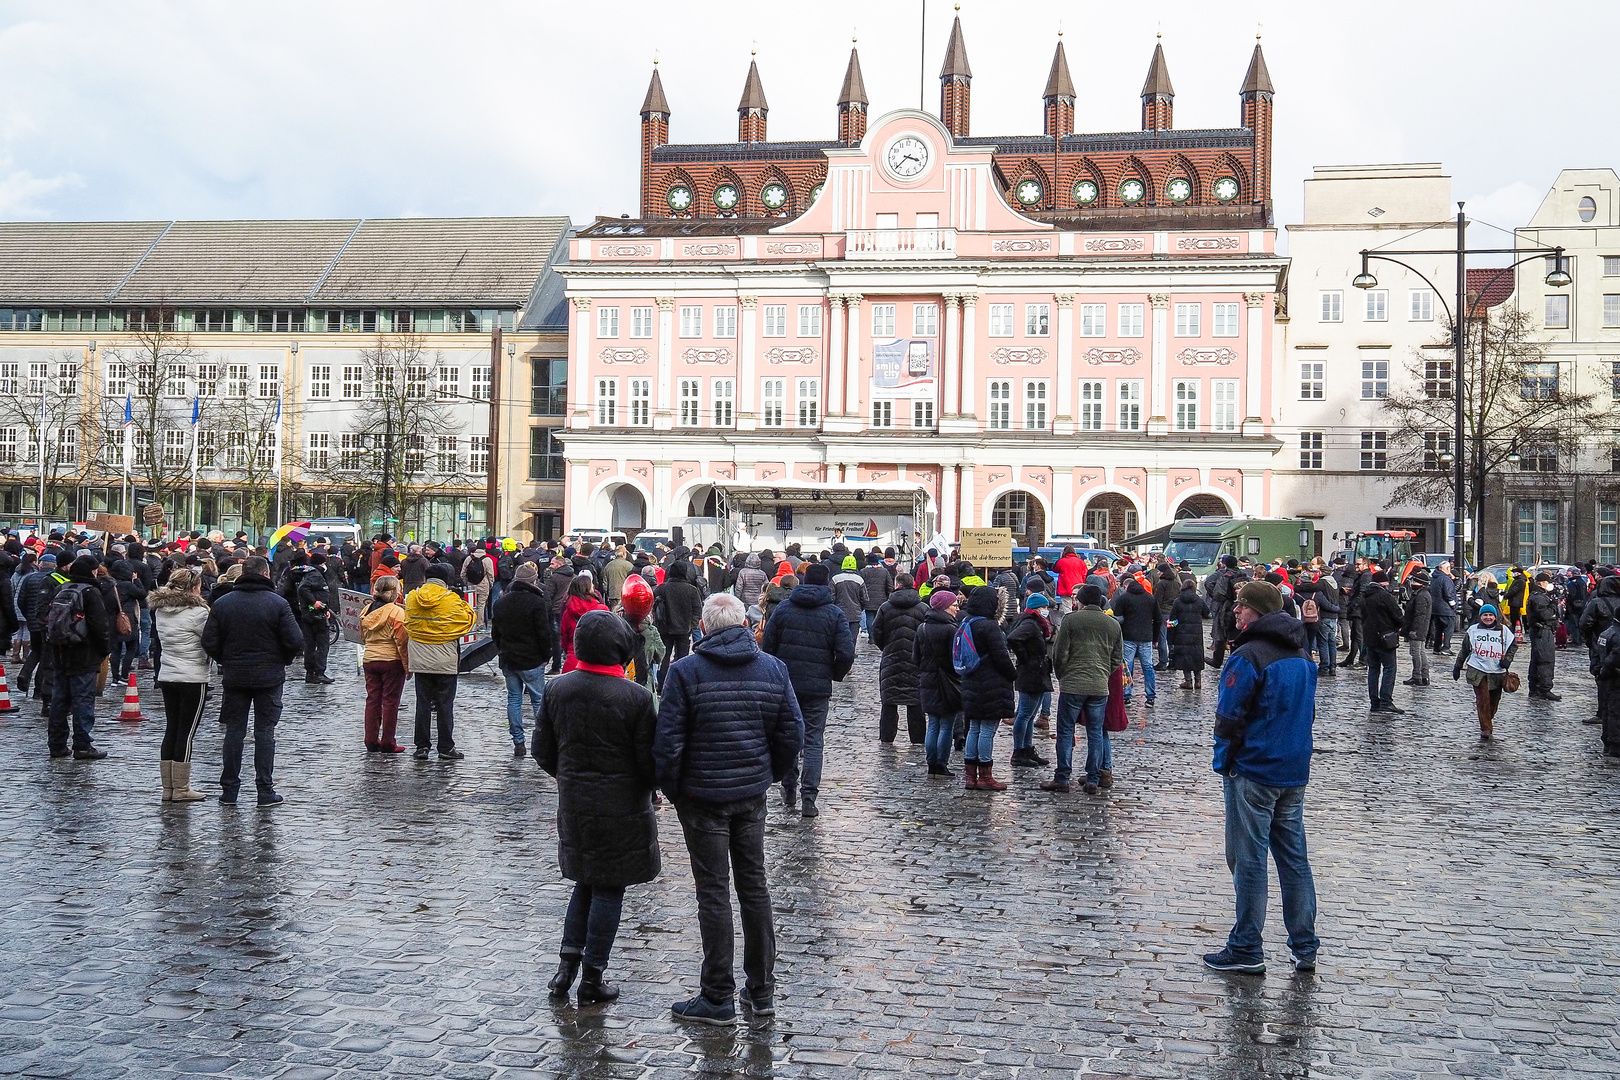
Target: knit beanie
(817, 574)
(1260, 597)
(941, 599)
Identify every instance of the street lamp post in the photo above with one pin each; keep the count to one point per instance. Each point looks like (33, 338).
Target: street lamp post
(1556, 278)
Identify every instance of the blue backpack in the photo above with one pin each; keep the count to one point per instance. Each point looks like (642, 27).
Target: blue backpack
(964, 653)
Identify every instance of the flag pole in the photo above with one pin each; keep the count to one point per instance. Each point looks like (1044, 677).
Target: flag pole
(277, 461)
(44, 527)
(196, 409)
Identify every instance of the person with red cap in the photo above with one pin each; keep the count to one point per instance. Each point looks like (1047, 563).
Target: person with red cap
(636, 603)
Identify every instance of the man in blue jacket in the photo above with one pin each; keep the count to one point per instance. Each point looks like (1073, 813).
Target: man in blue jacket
(1263, 721)
(728, 728)
(811, 635)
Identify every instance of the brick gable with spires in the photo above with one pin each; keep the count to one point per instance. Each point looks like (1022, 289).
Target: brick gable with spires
(1211, 177)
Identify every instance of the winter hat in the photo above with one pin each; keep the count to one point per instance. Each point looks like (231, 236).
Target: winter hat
(1273, 577)
(1380, 578)
(1261, 597)
(1229, 561)
(603, 638)
(1543, 576)
(527, 573)
(940, 599)
(441, 573)
(1036, 600)
(850, 563)
(636, 597)
(1487, 609)
(47, 559)
(1091, 596)
(817, 574)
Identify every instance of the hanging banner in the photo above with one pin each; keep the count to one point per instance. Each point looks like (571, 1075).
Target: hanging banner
(903, 368)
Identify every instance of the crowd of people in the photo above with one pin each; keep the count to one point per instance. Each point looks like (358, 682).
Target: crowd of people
(707, 680)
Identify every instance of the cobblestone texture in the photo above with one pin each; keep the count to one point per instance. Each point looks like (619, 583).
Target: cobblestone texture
(399, 918)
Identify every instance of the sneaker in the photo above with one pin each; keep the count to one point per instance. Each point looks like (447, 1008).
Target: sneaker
(421, 753)
(451, 755)
(790, 798)
(760, 1006)
(1304, 963)
(1150, 703)
(1227, 960)
(90, 754)
(809, 809)
(272, 799)
(701, 1010)
(517, 750)
(228, 798)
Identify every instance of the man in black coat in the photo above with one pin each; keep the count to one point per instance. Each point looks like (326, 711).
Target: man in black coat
(252, 634)
(1381, 617)
(520, 624)
(810, 634)
(314, 595)
(558, 579)
(1352, 580)
(1415, 625)
(1138, 615)
(893, 631)
(677, 607)
(1541, 625)
(32, 600)
(728, 727)
(74, 660)
(1220, 589)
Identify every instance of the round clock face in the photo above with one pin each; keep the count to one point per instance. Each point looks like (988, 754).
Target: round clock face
(907, 157)
(679, 197)
(773, 196)
(1085, 192)
(1179, 190)
(1131, 191)
(1226, 189)
(1029, 192)
(725, 196)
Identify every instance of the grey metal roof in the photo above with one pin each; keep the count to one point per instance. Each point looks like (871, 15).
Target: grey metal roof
(547, 309)
(480, 262)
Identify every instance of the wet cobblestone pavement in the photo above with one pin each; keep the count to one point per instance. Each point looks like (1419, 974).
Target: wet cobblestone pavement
(400, 918)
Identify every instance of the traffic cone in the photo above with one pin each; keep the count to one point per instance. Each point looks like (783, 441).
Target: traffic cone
(132, 702)
(5, 693)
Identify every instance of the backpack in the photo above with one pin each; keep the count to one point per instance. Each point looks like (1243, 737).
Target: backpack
(474, 570)
(1307, 611)
(64, 622)
(507, 567)
(964, 653)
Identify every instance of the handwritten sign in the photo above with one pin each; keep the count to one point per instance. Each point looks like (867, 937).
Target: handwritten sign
(986, 548)
(109, 523)
(351, 605)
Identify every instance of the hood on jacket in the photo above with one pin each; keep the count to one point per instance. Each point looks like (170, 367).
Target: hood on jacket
(812, 596)
(167, 599)
(1188, 585)
(983, 601)
(905, 598)
(733, 645)
(1278, 626)
(1608, 586)
(603, 638)
(376, 616)
(1135, 588)
(436, 614)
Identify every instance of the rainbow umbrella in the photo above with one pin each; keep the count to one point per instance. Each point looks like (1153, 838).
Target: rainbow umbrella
(292, 532)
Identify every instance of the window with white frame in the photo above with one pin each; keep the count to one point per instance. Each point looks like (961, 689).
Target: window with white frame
(691, 321)
(236, 450)
(1557, 312)
(1436, 450)
(1611, 266)
(481, 379)
(1091, 406)
(39, 374)
(174, 382)
(1374, 450)
(318, 456)
(775, 316)
(1093, 320)
(1034, 404)
(1611, 309)
(1332, 309)
(112, 446)
(690, 395)
(809, 402)
(725, 321)
(809, 320)
(773, 403)
(8, 445)
(447, 456)
(1539, 381)
(354, 382)
(925, 320)
(641, 322)
(236, 380)
(1422, 309)
(320, 382)
(117, 377)
(1310, 449)
(415, 454)
(67, 376)
(383, 381)
(922, 413)
(10, 379)
(174, 447)
(882, 322)
(207, 381)
(1374, 380)
(640, 402)
(478, 455)
(1189, 320)
(1001, 320)
(351, 450)
(145, 379)
(1130, 320)
(1000, 404)
(607, 322)
(1130, 404)
(416, 381)
(1037, 320)
(1223, 409)
(1311, 380)
(1226, 319)
(883, 414)
(1437, 379)
(69, 452)
(1538, 531)
(270, 381)
(725, 392)
(449, 383)
(1377, 305)
(607, 402)
(1608, 529)
(1186, 402)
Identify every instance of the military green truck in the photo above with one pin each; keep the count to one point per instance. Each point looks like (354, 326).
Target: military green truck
(1201, 541)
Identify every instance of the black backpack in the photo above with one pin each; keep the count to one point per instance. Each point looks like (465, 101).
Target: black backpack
(474, 570)
(65, 622)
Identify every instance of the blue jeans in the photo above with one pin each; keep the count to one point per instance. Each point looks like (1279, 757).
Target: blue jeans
(1258, 819)
(814, 711)
(534, 681)
(981, 741)
(1380, 675)
(1139, 652)
(146, 632)
(75, 694)
(1024, 719)
(937, 742)
(592, 923)
(1327, 644)
(1070, 707)
(867, 619)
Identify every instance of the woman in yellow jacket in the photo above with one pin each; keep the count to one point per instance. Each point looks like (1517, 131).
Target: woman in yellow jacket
(435, 619)
(383, 636)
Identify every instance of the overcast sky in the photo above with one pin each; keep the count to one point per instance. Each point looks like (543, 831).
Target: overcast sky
(343, 108)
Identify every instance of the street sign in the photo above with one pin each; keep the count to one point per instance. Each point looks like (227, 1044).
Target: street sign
(462, 515)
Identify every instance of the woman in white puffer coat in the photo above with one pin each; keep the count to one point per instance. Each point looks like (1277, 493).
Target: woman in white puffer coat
(178, 614)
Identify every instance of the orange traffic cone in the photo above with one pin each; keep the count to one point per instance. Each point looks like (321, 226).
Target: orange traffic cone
(5, 693)
(132, 702)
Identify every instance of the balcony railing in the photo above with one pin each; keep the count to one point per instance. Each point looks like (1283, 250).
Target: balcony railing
(900, 244)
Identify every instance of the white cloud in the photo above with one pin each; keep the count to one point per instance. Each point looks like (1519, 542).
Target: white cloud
(1507, 207)
(23, 195)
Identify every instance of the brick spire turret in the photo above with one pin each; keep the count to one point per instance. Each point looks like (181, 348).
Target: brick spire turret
(852, 103)
(1255, 104)
(751, 109)
(654, 133)
(1058, 97)
(955, 84)
(1158, 96)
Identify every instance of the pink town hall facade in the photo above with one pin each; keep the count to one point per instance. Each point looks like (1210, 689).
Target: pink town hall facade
(923, 322)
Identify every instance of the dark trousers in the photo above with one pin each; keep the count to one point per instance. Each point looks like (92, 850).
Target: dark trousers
(1381, 676)
(317, 642)
(75, 693)
(679, 645)
(726, 842)
(36, 653)
(1442, 633)
(592, 923)
(556, 635)
(435, 693)
(1572, 623)
(233, 713)
(385, 682)
(183, 704)
(1543, 652)
(889, 723)
(122, 661)
(1358, 654)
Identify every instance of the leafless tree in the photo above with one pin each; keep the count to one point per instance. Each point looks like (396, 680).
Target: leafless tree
(44, 393)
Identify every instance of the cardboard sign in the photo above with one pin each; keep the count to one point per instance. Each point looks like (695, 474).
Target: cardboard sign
(986, 548)
(351, 605)
(152, 514)
(109, 523)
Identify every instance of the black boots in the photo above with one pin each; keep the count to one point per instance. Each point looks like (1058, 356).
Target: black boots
(560, 982)
(1028, 757)
(593, 991)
